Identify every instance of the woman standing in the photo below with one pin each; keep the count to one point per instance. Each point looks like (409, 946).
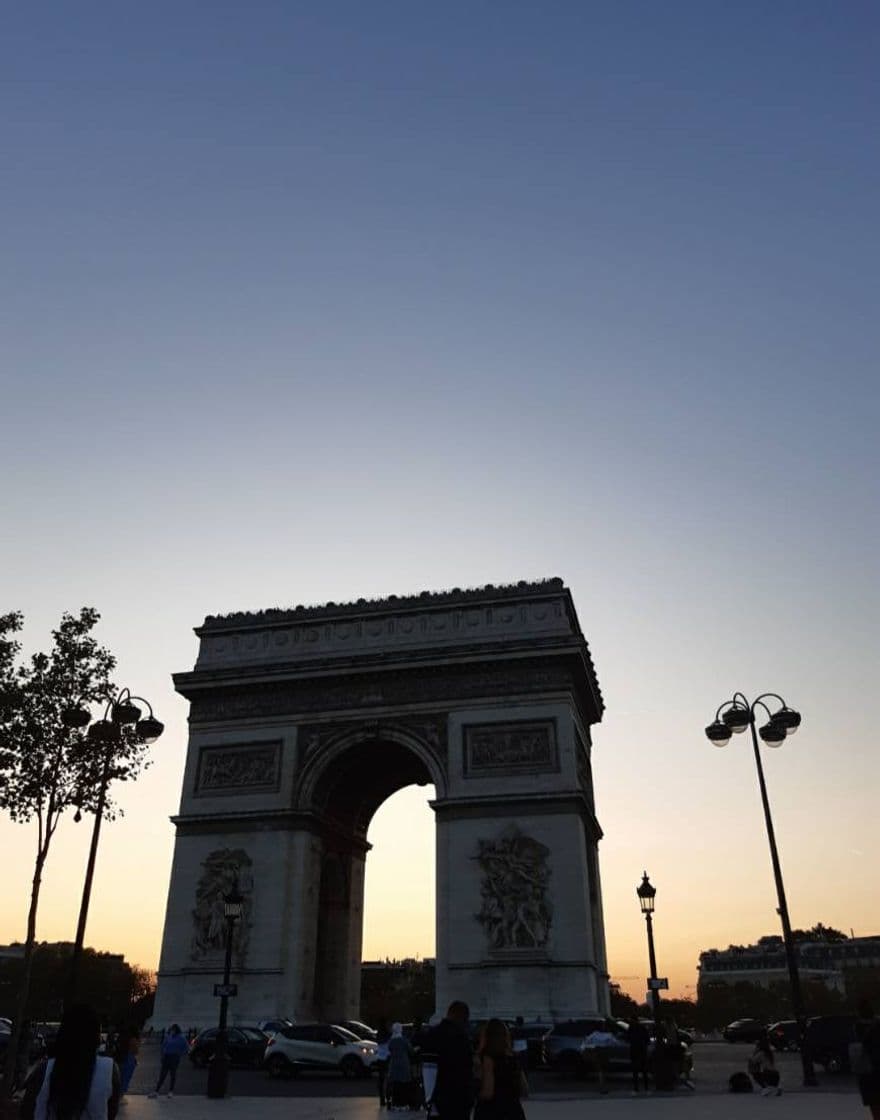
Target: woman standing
(174, 1046)
(868, 1062)
(77, 1083)
(399, 1069)
(502, 1082)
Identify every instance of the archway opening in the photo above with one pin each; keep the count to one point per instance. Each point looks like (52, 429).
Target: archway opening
(387, 782)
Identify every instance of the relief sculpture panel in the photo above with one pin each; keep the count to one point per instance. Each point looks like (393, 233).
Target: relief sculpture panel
(221, 871)
(516, 912)
(527, 746)
(239, 768)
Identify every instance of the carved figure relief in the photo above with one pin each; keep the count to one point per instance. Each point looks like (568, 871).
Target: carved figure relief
(221, 871)
(510, 746)
(223, 769)
(516, 912)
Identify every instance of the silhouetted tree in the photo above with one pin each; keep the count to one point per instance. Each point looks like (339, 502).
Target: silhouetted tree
(622, 1005)
(45, 767)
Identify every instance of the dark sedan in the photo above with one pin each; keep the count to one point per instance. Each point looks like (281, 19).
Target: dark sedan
(244, 1045)
(744, 1030)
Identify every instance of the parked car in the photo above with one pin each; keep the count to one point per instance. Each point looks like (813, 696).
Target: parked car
(784, 1035)
(319, 1046)
(743, 1030)
(827, 1041)
(273, 1026)
(244, 1045)
(563, 1045)
(358, 1029)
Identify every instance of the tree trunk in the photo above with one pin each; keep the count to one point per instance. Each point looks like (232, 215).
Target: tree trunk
(24, 986)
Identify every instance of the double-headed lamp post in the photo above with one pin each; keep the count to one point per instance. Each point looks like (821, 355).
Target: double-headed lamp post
(732, 718)
(218, 1071)
(646, 893)
(120, 712)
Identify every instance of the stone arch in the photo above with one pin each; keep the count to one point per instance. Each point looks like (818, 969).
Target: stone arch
(368, 763)
(303, 721)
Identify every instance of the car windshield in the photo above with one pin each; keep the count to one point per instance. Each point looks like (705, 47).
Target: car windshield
(345, 1035)
(252, 1033)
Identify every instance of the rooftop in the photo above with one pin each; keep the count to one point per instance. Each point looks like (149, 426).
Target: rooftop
(391, 602)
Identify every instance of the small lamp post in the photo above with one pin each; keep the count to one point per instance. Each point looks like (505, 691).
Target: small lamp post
(646, 893)
(121, 711)
(732, 718)
(218, 1071)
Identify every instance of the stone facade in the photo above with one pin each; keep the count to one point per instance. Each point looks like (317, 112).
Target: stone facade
(303, 722)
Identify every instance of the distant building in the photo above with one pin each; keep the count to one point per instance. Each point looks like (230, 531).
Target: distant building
(764, 963)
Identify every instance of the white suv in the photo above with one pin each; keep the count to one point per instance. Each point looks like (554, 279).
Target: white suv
(318, 1046)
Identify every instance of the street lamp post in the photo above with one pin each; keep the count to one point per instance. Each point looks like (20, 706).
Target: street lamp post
(120, 712)
(218, 1071)
(646, 893)
(732, 718)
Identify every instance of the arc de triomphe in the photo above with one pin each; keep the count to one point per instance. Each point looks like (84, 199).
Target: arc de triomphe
(303, 722)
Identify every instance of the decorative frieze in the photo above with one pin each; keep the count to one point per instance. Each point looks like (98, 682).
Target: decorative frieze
(440, 686)
(241, 768)
(534, 611)
(510, 747)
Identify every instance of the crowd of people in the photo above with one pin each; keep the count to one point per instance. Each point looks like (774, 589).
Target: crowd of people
(440, 1067)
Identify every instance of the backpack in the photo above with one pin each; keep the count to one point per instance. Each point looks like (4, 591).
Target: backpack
(740, 1083)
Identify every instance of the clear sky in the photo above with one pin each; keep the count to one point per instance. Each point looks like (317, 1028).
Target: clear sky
(319, 301)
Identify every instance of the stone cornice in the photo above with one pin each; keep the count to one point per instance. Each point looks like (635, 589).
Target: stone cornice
(428, 627)
(237, 620)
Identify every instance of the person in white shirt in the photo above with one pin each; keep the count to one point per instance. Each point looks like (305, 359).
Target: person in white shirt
(78, 1083)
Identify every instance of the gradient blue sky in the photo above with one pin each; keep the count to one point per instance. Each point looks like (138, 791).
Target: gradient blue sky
(306, 302)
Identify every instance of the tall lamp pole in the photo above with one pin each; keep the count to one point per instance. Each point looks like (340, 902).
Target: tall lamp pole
(732, 718)
(120, 712)
(646, 893)
(218, 1071)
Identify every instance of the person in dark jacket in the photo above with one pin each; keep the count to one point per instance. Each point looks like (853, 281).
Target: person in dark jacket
(639, 1038)
(502, 1081)
(868, 1066)
(453, 1095)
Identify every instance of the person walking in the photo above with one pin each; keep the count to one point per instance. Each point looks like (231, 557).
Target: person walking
(762, 1068)
(383, 1055)
(502, 1081)
(400, 1074)
(126, 1049)
(76, 1083)
(868, 1061)
(453, 1094)
(174, 1046)
(639, 1038)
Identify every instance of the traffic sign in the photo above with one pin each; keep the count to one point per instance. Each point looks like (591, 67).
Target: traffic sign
(658, 984)
(226, 989)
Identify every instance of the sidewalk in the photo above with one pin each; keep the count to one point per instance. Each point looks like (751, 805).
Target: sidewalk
(801, 1105)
